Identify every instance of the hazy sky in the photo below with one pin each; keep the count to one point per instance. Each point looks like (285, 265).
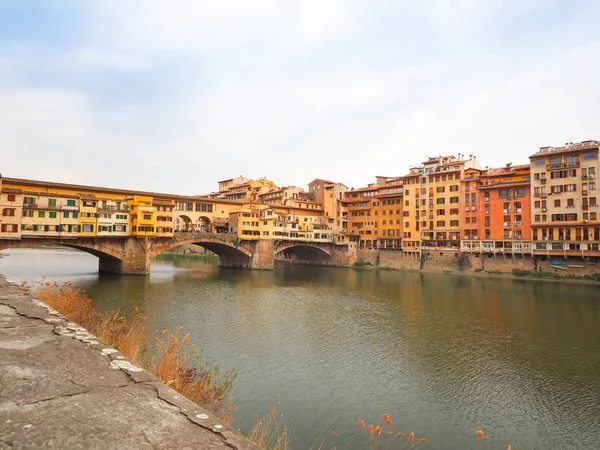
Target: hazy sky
(174, 95)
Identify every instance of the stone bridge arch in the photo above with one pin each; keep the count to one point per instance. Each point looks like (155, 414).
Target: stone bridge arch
(301, 252)
(109, 253)
(231, 251)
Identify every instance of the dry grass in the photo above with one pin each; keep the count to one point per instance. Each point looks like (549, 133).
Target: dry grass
(269, 433)
(170, 358)
(184, 369)
(382, 436)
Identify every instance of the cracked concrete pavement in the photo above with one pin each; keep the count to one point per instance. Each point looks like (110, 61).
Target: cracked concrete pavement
(62, 388)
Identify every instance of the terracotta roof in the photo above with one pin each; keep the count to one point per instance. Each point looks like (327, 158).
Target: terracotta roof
(12, 191)
(572, 148)
(391, 185)
(220, 221)
(88, 197)
(411, 175)
(81, 187)
(500, 171)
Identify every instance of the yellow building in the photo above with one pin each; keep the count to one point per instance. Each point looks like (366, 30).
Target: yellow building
(88, 215)
(252, 221)
(411, 215)
(165, 222)
(113, 217)
(564, 204)
(11, 207)
(432, 206)
(142, 215)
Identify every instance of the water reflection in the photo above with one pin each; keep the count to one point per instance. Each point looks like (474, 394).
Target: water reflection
(444, 355)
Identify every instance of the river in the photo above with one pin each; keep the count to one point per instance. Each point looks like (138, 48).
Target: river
(444, 355)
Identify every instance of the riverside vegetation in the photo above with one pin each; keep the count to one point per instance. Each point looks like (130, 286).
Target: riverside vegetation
(170, 358)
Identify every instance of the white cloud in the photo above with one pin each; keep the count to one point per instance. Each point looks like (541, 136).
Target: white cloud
(297, 90)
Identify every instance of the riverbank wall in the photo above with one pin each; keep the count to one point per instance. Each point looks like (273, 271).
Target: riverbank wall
(455, 261)
(61, 385)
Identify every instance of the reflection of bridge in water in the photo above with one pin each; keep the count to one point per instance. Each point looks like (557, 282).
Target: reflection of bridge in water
(132, 255)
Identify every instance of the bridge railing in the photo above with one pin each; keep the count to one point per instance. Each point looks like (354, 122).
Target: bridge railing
(185, 235)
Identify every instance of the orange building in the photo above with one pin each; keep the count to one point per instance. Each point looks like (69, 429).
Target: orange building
(469, 201)
(505, 210)
(390, 213)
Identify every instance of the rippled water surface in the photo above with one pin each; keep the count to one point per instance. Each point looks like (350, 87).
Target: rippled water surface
(443, 355)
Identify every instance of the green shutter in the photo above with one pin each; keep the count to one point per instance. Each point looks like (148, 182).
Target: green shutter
(22, 227)
(79, 228)
(46, 228)
(66, 214)
(35, 228)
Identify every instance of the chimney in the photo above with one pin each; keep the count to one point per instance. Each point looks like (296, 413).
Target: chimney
(470, 156)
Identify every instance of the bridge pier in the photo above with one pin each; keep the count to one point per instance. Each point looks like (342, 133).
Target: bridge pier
(135, 258)
(262, 257)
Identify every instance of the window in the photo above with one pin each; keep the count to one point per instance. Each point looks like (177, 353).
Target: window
(454, 223)
(11, 197)
(147, 216)
(52, 214)
(41, 213)
(588, 156)
(88, 228)
(71, 202)
(486, 196)
(570, 203)
(557, 203)
(454, 188)
(504, 193)
(65, 214)
(51, 203)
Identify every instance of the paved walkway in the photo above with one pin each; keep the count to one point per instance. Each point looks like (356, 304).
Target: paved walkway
(61, 388)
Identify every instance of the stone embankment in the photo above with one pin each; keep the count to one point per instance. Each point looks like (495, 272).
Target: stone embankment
(62, 388)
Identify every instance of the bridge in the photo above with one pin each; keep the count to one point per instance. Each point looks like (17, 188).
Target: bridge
(132, 255)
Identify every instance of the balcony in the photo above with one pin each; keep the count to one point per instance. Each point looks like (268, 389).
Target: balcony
(517, 223)
(558, 166)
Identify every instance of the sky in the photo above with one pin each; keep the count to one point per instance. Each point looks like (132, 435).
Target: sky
(173, 96)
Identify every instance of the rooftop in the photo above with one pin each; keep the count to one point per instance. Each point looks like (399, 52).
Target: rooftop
(569, 147)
